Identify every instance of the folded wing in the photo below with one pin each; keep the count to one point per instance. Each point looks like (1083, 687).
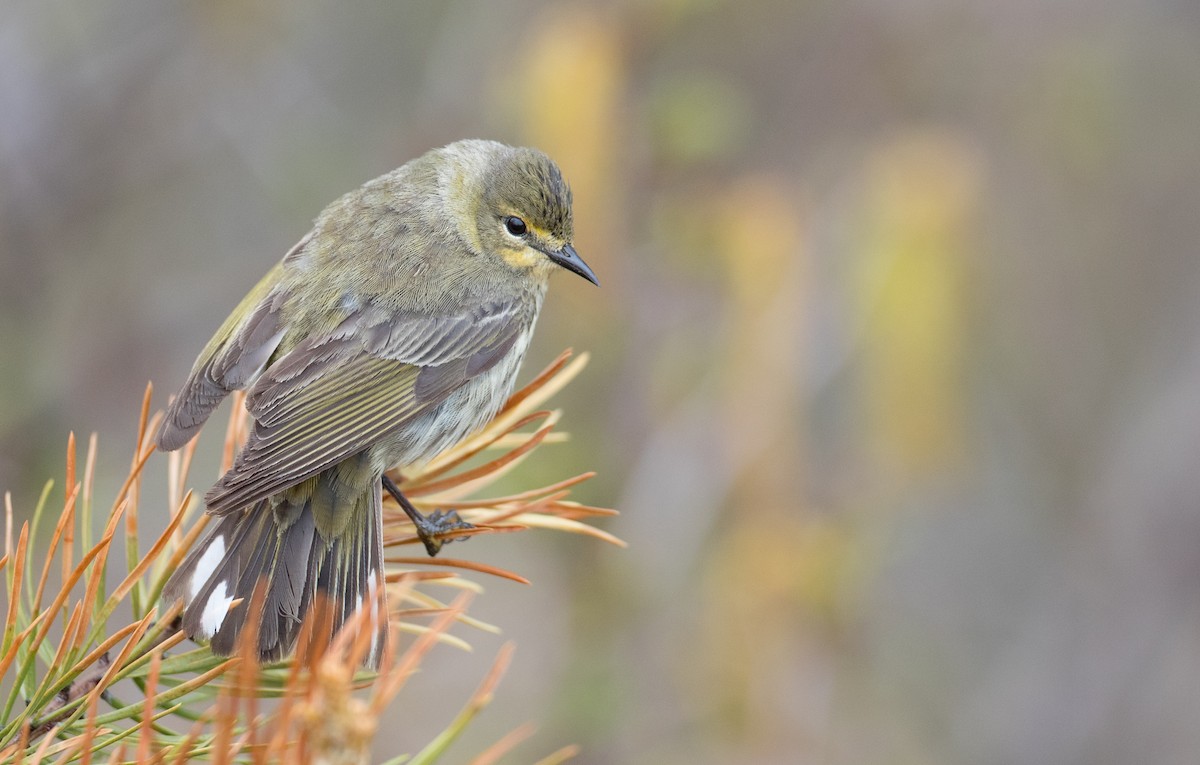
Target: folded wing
(334, 396)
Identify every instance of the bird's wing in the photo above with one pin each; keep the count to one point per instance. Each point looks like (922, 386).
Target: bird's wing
(235, 354)
(333, 396)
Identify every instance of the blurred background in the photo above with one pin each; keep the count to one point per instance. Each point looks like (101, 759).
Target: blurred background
(895, 368)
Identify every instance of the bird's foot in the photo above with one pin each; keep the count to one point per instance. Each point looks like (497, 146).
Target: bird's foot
(430, 529)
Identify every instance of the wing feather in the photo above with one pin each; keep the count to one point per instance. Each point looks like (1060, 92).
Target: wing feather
(334, 396)
(239, 350)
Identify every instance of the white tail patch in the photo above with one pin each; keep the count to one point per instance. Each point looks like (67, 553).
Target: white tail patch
(206, 566)
(215, 610)
(373, 595)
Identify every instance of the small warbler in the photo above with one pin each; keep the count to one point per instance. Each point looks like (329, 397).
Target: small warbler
(390, 332)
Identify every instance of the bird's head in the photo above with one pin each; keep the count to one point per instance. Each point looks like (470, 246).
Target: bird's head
(521, 209)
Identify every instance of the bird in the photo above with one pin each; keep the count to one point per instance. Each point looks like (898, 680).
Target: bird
(390, 332)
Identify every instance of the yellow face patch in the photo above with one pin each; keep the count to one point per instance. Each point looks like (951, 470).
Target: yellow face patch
(523, 257)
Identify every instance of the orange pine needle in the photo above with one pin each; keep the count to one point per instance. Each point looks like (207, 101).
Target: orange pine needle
(543, 377)
(561, 756)
(59, 533)
(467, 454)
(146, 737)
(470, 565)
(68, 540)
(486, 469)
(18, 570)
(493, 753)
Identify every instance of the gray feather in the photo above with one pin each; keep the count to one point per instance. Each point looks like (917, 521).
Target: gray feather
(296, 563)
(328, 400)
(234, 358)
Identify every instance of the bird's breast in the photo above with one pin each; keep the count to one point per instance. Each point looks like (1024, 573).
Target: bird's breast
(463, 412)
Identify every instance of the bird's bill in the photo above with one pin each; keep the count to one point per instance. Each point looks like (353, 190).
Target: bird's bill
(570, 260)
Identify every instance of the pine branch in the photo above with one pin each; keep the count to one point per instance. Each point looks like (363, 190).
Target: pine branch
(61, 656)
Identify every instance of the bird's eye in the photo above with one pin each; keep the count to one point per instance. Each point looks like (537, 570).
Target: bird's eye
(515, 226)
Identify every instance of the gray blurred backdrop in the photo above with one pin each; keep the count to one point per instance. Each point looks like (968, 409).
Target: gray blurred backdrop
(896, 363)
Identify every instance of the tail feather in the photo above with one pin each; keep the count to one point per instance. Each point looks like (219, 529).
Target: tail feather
(297, 564)
(349, 572)
(208, 577)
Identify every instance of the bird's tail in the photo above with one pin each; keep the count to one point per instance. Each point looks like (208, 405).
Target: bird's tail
(298, 566)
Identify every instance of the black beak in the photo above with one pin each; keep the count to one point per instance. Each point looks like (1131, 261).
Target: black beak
(570, 260)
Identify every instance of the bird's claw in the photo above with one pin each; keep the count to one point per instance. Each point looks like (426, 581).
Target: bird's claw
(431, 528)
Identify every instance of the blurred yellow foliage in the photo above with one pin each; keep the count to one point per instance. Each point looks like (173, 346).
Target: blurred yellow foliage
(775, 590)
(700, 117)
(775, 570)
(757, 234)
(573, 70)
(921, 194)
